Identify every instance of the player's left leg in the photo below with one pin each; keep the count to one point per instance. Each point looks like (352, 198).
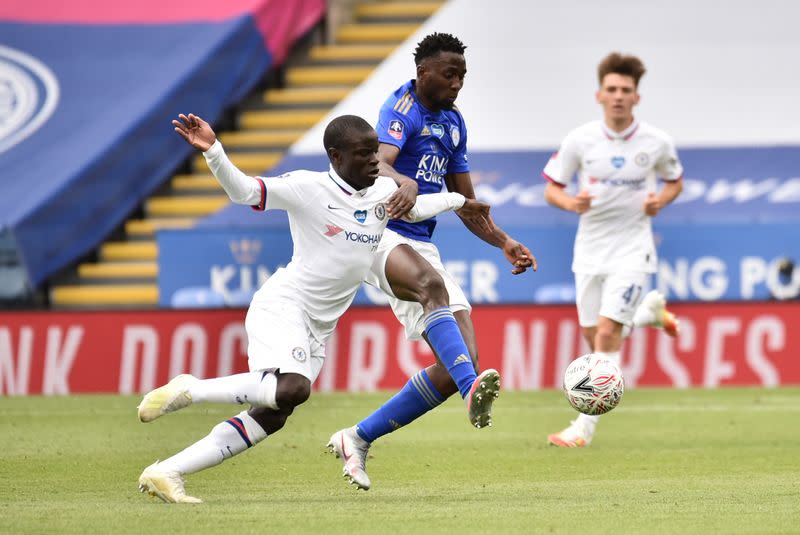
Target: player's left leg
(228, 438)
(652, 312)
(284, 361)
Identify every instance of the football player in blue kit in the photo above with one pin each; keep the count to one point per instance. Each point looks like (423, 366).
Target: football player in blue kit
(423, 147)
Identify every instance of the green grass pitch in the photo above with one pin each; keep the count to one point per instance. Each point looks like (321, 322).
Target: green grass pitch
(666, 461)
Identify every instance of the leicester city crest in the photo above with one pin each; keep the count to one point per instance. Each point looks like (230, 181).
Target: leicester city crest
(455, 135)
(380, 211)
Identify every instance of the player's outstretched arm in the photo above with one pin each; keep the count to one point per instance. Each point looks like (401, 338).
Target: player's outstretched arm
(430, 205)
(241, 188)
(515, 252)
(404, 198)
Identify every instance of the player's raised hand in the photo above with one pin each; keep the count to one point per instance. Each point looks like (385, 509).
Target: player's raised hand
(582, 202)
(476, 212)
(652, 205)
(402, 200)
(519, 256)
(195, 131)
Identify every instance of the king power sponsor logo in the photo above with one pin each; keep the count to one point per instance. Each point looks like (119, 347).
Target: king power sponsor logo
(29, 94)
(432, 168)
(134, 352)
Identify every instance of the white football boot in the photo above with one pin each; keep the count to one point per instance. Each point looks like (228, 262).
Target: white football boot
(164, 484)
(653, 312)
(352, 450)
(485, 389)
(578, 435)
(169, 398)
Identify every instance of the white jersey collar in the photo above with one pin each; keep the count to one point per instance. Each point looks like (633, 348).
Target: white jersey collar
(346, 188)
(625, 135)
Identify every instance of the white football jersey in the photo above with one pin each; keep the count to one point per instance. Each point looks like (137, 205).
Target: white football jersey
(335, 231)
(618, 169)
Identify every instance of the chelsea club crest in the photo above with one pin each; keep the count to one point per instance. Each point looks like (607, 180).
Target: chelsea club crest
(380, 211)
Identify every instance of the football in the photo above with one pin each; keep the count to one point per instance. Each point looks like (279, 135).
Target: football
(593, 385)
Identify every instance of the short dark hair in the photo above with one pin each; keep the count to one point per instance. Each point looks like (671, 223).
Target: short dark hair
(437, 42)
(339, 128)
(626, 65)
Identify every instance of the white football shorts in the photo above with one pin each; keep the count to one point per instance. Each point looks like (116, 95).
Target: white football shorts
(278, 337)
(614, 296)
(408, 312)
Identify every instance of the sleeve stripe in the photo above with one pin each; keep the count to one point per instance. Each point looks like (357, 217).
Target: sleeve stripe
(553, 180)
(401, 101)
(261, 206)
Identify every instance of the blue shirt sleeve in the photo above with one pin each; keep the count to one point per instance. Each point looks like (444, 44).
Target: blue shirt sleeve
(394, 127)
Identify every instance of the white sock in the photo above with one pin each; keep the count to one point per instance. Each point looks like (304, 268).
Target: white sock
(627, 330)
(256, 388)
(588, 422)
(613, 356)
(226, 439)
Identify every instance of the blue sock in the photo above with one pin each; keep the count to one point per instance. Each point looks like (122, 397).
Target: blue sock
(445, 338)
(416, 398)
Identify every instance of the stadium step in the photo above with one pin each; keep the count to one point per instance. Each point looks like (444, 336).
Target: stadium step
(185, 206)
(375, 33)
(261, 138)
(137, 228)
(195, 183)
(251, 163)
(118, 270)
(337, 53)
(396, 11)
(128, 251)
(106, 295)
(315, 76)
(295, 119)
(306, 95)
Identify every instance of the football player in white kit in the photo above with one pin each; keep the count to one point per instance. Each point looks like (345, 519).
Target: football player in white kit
(617, 161)
(336, 220)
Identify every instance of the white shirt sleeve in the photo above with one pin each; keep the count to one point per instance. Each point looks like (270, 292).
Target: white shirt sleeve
(563, 164)
(668, 165)
(241, 189)
(432, 204)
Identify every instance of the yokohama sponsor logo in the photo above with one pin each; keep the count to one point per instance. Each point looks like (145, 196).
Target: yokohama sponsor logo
(129, 352)
(371, 239)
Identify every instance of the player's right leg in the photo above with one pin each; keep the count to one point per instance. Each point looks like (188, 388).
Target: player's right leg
(588, 292)
(416, 280)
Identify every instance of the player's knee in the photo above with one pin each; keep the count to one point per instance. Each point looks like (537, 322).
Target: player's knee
(293, 390)
(432, 289)
(606, 334)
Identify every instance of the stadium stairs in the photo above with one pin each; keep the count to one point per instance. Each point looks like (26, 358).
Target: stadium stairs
(125, 268)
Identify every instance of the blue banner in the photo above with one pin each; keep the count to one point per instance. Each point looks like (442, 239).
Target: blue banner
(85, 130)
(721, 185)
(724, 262)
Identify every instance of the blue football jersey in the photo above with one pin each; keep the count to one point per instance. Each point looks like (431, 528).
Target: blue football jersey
(432, 144)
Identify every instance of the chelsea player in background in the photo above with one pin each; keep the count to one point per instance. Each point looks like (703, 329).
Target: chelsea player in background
(423, 147)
